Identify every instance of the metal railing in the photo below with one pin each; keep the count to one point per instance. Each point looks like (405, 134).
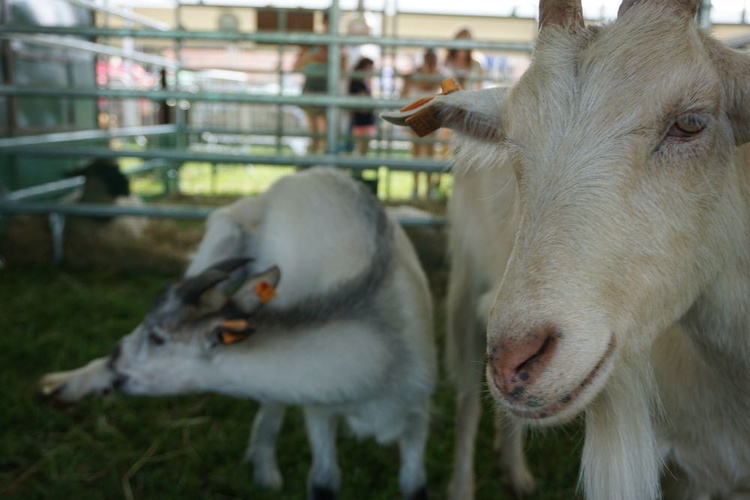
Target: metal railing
(179, 132)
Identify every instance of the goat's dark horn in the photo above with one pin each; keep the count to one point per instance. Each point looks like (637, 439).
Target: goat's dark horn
(565, 13)
(190, 290)
(229, 265)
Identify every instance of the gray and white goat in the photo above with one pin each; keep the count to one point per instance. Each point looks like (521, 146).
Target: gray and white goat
(348, 333)
(623, 151)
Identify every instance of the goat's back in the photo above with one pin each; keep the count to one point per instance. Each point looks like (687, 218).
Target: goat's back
(318, 226)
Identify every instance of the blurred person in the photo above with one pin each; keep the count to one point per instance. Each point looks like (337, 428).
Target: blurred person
(423, 81)
(363, 119)
(465, 65)
(312, 62)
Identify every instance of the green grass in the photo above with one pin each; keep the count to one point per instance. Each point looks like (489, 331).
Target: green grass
(189, 446)
(205, 179)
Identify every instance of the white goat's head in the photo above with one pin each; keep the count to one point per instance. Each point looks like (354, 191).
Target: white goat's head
(624, 143)
(191, 322)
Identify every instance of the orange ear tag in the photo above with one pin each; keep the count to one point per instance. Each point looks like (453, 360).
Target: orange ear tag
(425, 122)
(235, 324)
(234, 330)
(228, 337)
(265, 291)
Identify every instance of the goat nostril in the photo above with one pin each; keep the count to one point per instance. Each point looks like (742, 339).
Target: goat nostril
(518, 363)
(522, 369)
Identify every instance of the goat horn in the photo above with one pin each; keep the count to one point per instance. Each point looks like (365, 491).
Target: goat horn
(565, 13)
(191, 289)
(229, 265)
(689, 7)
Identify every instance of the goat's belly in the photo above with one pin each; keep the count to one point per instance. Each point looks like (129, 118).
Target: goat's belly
(386, 419)
(716, 466)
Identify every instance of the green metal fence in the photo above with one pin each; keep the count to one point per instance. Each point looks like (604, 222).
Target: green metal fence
(58, 112)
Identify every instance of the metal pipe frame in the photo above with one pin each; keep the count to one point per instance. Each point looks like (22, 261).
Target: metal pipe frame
(164, 212)
(289, 38)
(333, 76)
(245, 136)
(30, 145)
(45, 189)
(85, 135)
(6, 60)
(185, 155)
(146, 167)
(103, 210)
(96, 48)
(56, 214)
(343, 101)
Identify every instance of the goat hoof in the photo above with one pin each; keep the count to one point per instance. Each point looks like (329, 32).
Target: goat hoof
(271, 479)
(266, 473)
(323, 493)
(522, 483)
(419, 494)
(460, 491)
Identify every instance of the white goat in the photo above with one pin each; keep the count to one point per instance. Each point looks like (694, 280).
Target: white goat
(626, 293)
(348, 333)
(481, 239)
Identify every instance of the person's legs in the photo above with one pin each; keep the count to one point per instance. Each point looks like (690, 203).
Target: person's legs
(432, 178)
(418, 150)
(362, 135)
(316, 129)
(415, 189)
(320, 129)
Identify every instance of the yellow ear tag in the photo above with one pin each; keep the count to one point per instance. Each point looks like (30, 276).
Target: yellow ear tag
(265, 291)
(425, 122)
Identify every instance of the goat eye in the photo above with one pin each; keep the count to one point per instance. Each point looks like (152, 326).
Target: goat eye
(686, 127)
(154, 339)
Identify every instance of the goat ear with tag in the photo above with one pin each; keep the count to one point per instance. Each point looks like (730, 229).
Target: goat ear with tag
(232, 331)
(257, 290)
(475, 113)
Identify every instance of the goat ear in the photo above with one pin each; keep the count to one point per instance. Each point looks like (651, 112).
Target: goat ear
(473, 113)
(565, 13)
(734, 70)
(257, 289)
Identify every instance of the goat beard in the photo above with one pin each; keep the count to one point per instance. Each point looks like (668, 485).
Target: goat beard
(620, 452)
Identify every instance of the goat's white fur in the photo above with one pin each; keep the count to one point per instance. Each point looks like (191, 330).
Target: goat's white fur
(632, 241)
(308, 226)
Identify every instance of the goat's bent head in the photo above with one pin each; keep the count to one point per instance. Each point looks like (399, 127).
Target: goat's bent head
(623, 140)
(191, 322)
